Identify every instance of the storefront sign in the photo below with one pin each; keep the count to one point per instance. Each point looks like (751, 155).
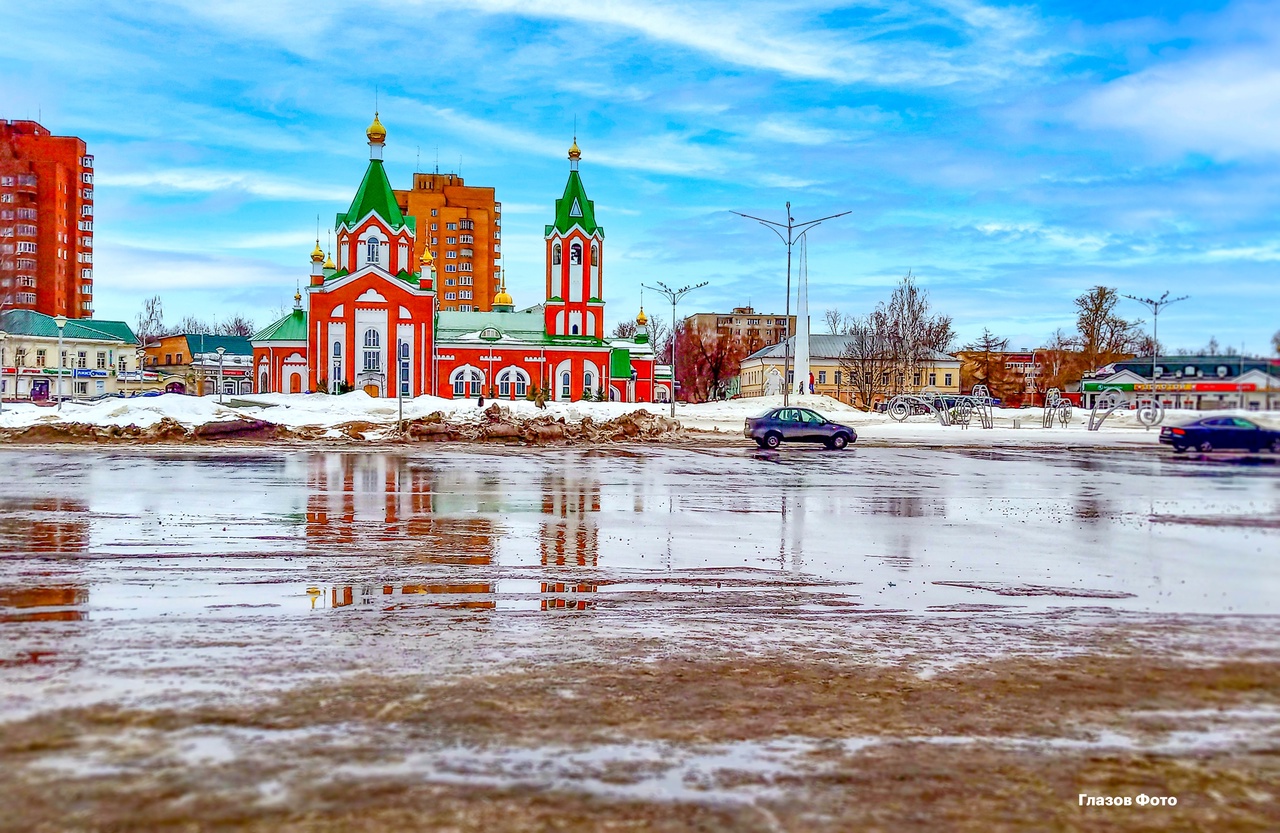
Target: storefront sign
(1173, 387)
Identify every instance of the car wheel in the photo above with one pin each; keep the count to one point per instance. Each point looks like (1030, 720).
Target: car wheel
(1179, 448)
(1206, 446)
(838, 442)
(772, 440)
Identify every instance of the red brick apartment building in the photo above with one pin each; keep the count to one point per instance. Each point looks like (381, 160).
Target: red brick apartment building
(46, 221)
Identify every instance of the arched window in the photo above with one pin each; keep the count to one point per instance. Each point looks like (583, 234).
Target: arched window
(372, 250)
(372, 339)
(467, 381)
(575, 254)
(555, 255)
(574, 329)
(595, 255)
(512, 380)
(337, 349)
(589, 382)
(565, 383)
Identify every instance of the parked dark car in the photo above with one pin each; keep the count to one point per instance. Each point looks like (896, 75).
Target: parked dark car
(1221, 432)
(801, 425)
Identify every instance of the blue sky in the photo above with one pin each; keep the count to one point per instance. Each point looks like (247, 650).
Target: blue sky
(1010, 156)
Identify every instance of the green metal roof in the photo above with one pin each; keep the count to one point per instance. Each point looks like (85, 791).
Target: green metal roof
(525, 325)
(31, 323)
(205, 343)
(374, 195)
(293, 327)
(574, 209)
(620, 363)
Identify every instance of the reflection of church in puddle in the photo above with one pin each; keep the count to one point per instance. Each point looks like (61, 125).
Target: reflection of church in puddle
(406, 509)
(44, 525)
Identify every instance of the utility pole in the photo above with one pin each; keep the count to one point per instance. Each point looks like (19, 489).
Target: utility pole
(789, 240)
(674, 296)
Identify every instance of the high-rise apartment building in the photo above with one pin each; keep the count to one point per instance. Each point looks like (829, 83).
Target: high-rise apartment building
(46, 221)
(462, 226)
(756, 329)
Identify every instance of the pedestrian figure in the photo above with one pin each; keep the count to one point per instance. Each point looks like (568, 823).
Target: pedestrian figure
(480, 401)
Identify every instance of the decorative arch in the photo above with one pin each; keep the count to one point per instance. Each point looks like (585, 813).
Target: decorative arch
(563, 381)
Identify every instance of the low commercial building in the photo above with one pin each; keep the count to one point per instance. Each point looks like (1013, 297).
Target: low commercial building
(1200, 383)
(761, 373)
(98, 357)
(191, 363)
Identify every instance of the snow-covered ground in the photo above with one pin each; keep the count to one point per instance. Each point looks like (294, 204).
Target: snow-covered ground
(320, 411)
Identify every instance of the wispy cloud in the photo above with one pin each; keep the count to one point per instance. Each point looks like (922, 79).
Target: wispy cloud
(192, 180)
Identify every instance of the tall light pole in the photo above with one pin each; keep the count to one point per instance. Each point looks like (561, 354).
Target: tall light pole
(220, 351)
(790, 239)
(400, 388)
(1155, 305)
(61, 321)
(141, 355)
(674, 296)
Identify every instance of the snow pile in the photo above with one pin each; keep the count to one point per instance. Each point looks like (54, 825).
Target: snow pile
(323, 412)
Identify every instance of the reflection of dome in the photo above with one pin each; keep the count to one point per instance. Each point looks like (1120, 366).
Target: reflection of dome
(642, 319)
(376, 132)
(316, 254)
(574, 153)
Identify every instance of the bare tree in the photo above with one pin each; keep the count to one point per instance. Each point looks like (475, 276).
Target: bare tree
(235, 325)
(1275, 342)
(1060, 361)
(625, 329)
(867, 358)
(193, 325)
(1104, 337)
(660, 338)
(708, 358)
(835, 321)
(150, 320)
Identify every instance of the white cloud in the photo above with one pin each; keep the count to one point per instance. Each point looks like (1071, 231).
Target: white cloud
(1225, 106)
(196, 180)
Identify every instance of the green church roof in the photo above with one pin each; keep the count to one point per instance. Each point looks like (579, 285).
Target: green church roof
(375, 195)
(574, 209)
(293, 327)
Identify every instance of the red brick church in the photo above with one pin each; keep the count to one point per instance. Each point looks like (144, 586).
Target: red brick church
(371, 318)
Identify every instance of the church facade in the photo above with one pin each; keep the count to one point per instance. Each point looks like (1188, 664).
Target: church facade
(371, 320)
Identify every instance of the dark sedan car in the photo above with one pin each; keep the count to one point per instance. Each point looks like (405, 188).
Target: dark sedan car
(802, 425)
(1223, 432)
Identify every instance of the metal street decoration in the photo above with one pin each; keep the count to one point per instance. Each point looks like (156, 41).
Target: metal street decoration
(1149, 411)
(951, 410)
(1056, 408)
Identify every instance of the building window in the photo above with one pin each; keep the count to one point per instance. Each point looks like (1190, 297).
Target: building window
(947, 379)
(915, 379)
(451, 226)
(467, 238)
(448, 282)
(40, 357)
(82, 388)
(372, 351)
(451, 255)
(464, 295)
(565, 383)
(372, 253)
(466, 280)
(467, 381)
(588, 382)
(595, 255)
(822, 377)
(575, 254)
(434, 226)
(337, 349)
(555, 255)
(933, 379)
(451, 296)
(512, 380)
(464, 307)
(82, 359)
(452, 241)
(451, 267)
(434, 212)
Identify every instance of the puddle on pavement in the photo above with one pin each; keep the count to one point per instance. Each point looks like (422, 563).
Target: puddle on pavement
(93, 536)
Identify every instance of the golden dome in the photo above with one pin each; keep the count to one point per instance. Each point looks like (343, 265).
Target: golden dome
(426, 260)
(502, 298)
(328, 262)
(642, 319)
(316, 254)
(574, 153)
(376, 132)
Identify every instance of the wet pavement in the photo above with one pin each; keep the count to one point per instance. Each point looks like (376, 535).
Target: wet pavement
(172, 579)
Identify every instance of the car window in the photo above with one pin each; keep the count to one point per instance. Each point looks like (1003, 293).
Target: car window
(810, 417)
(1215, 421)
(1243, 423)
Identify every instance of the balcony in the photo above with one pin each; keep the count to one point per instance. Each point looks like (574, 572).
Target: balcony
(466, 253)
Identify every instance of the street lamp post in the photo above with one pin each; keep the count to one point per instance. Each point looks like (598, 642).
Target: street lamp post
(400, 388)
(220, 351)
(61, 321)
(791, 238)
(141, 355)
(674, 296)
(1155, 305)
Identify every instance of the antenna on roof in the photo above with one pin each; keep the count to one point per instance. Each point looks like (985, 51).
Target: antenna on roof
(459, 165)
(437, 160)
(417, 167)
